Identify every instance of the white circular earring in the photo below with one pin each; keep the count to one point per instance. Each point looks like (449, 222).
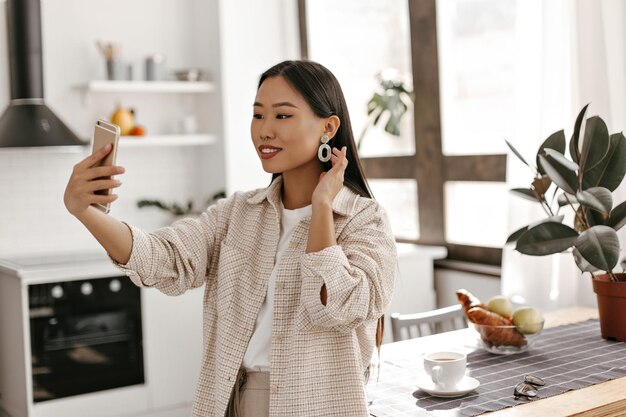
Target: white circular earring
(324, 148)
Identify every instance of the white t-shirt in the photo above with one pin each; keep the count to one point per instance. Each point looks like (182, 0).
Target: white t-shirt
(257, 357)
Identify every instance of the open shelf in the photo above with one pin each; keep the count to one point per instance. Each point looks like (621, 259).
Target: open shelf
(167, 140)
(125, 142)
(147, 87)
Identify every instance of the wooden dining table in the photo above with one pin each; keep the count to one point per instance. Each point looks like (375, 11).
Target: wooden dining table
(603, 399)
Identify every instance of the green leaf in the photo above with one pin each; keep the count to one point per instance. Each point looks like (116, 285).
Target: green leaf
(561, 159)
(562, 200)
(396, 109)
(599, 245)
(375, 103)
(391, 103)
(596, 144)
(595, 217)
(597, 198)
(556, 142)
(574, 149)
(516, 235)
(377, 117)
(617, 218)
(525, 193)
(582, 263)
(555, 219)
(611, 170)
(562, 176)
(521, 158)
(546, 238)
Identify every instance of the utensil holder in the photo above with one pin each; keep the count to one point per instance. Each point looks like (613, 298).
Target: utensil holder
(116, 70)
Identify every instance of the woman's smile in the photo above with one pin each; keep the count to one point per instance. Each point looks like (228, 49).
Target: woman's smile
(268, 151)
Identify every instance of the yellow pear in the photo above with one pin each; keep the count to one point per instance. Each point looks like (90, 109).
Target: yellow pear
(527, 319)
(124, 119)
(500, 305)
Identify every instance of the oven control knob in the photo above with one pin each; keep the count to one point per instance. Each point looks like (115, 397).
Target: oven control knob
(115, 285)
(57, 291)
(86, 288)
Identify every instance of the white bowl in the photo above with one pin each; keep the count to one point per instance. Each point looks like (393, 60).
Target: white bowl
(191, 74)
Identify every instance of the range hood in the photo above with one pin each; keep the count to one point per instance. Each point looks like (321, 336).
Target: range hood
(27, 121)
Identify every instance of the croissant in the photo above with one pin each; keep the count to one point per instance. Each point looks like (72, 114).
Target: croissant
(468, 300)
(495, 336)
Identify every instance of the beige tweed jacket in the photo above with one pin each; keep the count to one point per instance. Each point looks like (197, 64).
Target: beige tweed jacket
(319, 353)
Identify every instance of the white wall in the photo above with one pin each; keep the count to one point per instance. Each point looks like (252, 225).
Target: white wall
(33, 219)
(142, 27)
(265, 33)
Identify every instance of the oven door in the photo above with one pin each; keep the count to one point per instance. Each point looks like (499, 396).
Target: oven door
(85, 341)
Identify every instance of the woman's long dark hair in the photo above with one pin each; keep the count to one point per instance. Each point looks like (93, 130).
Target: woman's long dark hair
(321, 90)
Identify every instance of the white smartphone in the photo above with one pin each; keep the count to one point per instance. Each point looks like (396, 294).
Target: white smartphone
(105, 133)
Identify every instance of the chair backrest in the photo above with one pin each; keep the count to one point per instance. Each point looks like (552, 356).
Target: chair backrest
(407, 326)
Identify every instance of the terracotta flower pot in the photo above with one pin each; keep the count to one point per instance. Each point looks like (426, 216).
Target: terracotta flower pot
(611, 306)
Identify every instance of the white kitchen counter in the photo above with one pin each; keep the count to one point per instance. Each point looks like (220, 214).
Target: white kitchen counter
(52, 268)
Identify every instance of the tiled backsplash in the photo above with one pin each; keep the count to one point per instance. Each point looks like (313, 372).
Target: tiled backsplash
(33, 219)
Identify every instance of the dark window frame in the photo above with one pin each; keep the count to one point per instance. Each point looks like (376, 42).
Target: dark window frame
(429, 166)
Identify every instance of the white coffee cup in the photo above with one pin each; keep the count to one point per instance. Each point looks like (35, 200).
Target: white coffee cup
(446, 369)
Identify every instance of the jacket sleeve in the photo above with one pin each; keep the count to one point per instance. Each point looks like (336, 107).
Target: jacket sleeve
(359, 273)
(177, 258)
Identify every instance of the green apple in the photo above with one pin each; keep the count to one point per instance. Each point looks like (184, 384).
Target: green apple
(527, 319)
(500, 305)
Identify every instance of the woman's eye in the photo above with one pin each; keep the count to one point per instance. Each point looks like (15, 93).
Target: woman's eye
(283, 116)
(257, 116)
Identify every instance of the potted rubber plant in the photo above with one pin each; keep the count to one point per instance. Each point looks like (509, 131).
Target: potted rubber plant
(582, 184)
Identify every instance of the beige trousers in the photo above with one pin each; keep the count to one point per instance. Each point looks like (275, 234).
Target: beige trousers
(250, 396)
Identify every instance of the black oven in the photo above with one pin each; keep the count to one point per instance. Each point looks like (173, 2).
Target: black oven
(85, 336)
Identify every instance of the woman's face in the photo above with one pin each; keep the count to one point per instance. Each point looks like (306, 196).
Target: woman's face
(285, 131)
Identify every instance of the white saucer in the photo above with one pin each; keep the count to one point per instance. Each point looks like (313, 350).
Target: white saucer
(466, 385)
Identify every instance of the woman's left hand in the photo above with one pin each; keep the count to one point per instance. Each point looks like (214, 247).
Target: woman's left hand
(331, 182)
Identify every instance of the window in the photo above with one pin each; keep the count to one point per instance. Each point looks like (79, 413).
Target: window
(400, 197)
(458, 56)
(476, 73)
(383, 43)
(476, 213)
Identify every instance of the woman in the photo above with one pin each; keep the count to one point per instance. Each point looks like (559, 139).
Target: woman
(296, 275)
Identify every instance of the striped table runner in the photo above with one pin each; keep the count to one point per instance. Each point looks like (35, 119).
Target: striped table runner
(567, 358)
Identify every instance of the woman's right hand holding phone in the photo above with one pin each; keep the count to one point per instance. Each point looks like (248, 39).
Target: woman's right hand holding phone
(88, 177)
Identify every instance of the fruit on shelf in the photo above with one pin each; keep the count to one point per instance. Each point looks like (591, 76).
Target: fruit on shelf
(500, 305)
(527, 319)
(125, 119)
(138, 131)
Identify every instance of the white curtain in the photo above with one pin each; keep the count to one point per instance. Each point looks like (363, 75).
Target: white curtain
(601, 64)
(570, 53)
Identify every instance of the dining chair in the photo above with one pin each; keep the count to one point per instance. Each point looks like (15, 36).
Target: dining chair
(407, 326)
